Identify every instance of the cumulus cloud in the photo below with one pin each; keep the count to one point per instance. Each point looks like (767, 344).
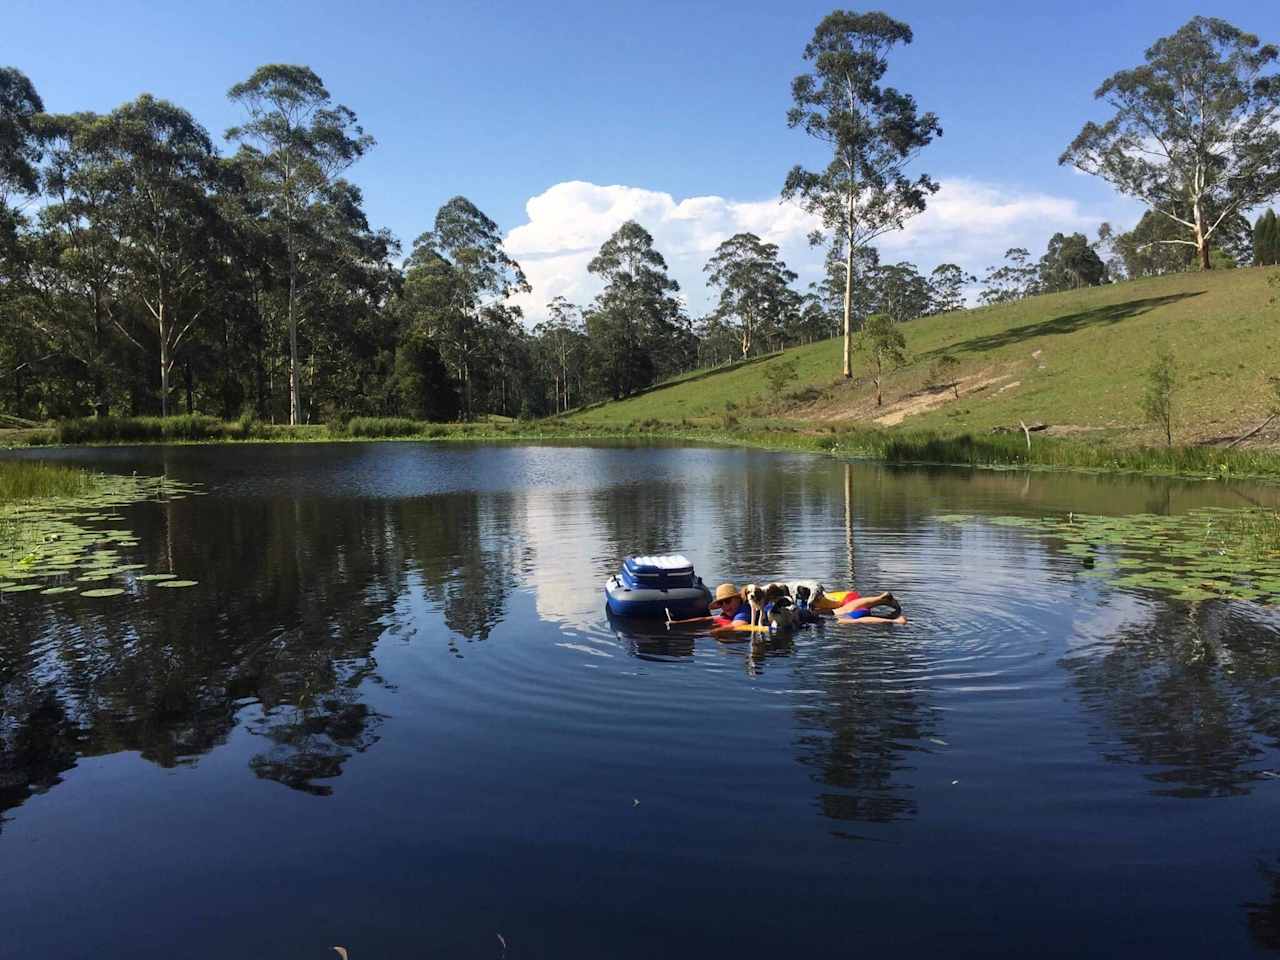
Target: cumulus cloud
(968, 222)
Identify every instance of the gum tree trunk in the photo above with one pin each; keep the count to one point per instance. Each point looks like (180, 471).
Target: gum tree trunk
(163, 335)
(295, 374)
(848, 303)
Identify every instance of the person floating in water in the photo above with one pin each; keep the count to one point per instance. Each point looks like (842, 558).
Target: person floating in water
(859, 610)
(729, 609)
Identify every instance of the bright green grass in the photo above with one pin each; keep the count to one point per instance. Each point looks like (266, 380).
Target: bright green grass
(26, 480)
(714, 393)
(1094, 347)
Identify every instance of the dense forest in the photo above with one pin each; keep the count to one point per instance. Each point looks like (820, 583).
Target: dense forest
(144, 270)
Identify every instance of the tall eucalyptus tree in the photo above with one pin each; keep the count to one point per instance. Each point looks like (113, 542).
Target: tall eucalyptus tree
(873, 133)
(302, 142)
(471, 277)
(636, 317)
(755, 293)
(1195, 134)
(164, 169)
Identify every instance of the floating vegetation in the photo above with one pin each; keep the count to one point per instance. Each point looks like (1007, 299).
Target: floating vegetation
(61, 536)
(1209, 553)
(177, 583)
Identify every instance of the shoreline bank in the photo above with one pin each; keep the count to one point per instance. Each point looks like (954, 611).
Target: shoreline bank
(915, 448)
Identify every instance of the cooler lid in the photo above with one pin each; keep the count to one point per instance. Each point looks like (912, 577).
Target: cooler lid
(670, 564)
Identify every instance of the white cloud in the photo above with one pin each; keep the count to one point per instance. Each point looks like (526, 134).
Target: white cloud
(968, 222)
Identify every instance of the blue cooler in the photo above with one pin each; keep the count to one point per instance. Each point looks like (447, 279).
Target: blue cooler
(652, 586)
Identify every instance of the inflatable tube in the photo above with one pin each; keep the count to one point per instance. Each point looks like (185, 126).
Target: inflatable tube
(835, 599)
(830, 601)
(682, 602)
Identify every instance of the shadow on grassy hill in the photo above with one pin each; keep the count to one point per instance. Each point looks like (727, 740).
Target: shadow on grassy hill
(680, 380)
(1070, 323)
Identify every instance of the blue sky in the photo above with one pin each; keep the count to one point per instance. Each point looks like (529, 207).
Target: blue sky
(505, 102)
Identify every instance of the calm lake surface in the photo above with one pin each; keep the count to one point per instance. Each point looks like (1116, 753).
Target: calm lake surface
(394, 716)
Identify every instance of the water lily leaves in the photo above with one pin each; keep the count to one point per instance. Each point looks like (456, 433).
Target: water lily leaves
(102, 592)
(59, 536)
(1014, 522)
(1200, 555)
(52, 591)
(21, 587)
(145, 577)
(177, 583)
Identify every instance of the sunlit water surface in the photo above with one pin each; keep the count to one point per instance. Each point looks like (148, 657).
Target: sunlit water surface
(394, 716)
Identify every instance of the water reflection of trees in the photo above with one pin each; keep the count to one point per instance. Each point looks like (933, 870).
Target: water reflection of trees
(279, 636)
(467, 549)
(858, 733)
(1264, 917)
(1190, 691)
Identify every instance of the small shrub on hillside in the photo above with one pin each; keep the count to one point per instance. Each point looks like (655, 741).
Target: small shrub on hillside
(779, 373)
(1158, 398)
(943, 372)
(883, 341)
(807, 394)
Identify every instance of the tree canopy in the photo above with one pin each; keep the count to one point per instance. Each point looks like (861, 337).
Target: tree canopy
(754, 285)
(1195, 131)
(299, 141)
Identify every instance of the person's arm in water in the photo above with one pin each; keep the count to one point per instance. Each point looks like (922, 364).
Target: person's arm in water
(724, 621)
(723, 610)
(732, 614)
(673, 623)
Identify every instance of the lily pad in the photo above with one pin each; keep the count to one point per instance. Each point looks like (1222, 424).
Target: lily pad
(177, 583)
(21, 587)
(49, 537)
(103, 592)
(145, 577)
(1202, 554)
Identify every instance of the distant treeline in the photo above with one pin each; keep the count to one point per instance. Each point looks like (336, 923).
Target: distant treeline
(143, 271)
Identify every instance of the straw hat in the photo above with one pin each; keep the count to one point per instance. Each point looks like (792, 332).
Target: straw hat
(723, 593)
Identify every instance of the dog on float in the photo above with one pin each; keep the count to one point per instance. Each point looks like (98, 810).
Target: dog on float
(808, 596)
(754, 595)
(783, 617)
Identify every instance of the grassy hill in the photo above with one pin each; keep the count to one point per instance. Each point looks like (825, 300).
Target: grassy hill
(1075, 360)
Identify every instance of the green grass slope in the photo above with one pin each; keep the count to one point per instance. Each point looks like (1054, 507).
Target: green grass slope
(1074, 360)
